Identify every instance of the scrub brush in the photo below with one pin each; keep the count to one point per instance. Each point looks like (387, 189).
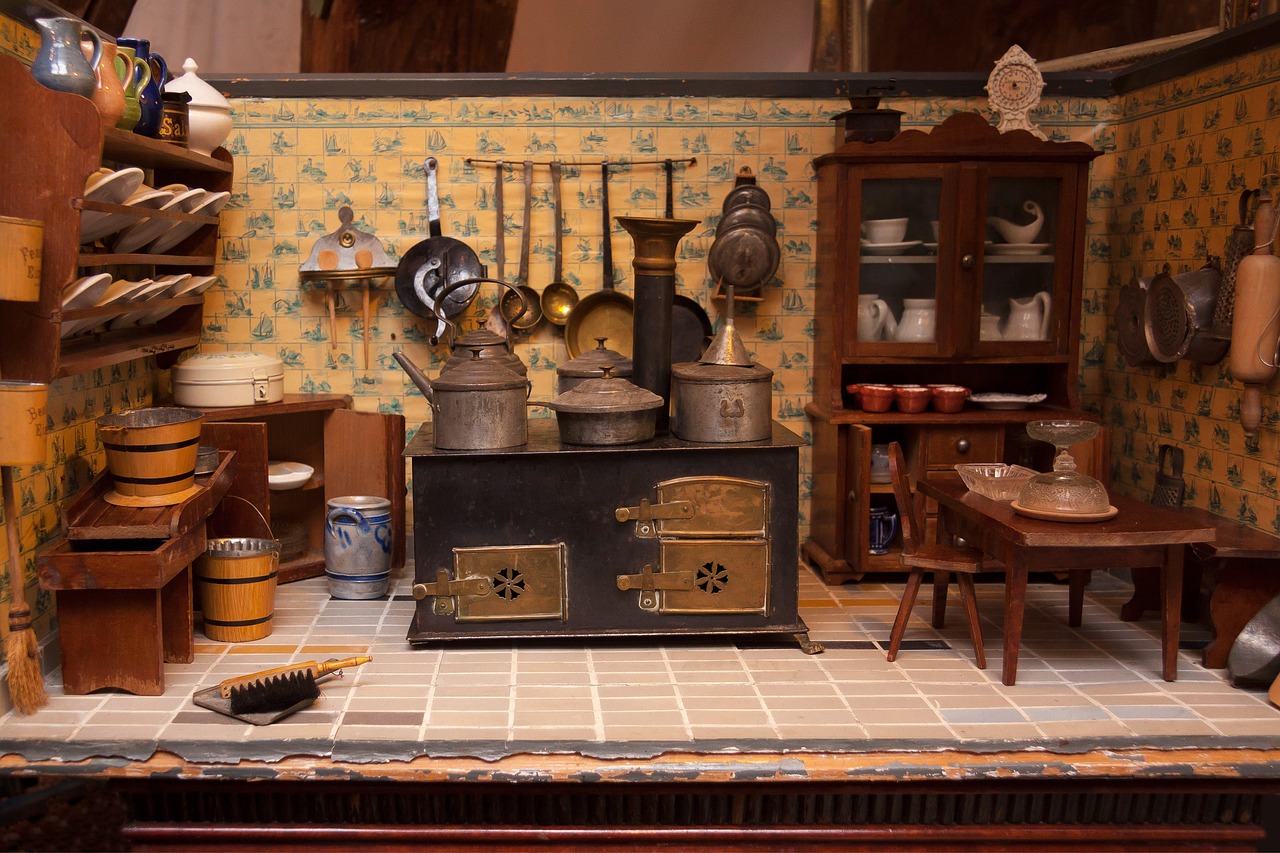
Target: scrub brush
(281, 688)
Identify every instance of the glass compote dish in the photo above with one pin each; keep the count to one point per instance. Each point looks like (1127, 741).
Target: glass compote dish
(1064, 491)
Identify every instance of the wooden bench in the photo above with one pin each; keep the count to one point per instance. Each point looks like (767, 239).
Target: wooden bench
(122, 577)
(1246, 563)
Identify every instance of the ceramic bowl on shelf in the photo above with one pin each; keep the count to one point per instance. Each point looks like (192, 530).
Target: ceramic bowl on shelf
(282, 476)
(948, 399)
(912, 399)
(876, 398)
(885, 230)
(995, 480)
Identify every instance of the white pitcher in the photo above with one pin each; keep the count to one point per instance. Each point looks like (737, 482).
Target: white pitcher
(919, 320)
(1028, 318)
(874, 317)
(989, 327)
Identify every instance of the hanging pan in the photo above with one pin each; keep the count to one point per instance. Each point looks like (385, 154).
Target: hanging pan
(605, 313)
(432, 264)
(690, 325)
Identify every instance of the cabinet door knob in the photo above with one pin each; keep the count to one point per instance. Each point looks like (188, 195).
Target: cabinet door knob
(962, 445)
(967, 262)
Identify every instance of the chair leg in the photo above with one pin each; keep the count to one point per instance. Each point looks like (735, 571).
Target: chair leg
(904, 612)
(1076, 580)
(941, 582)
(970, 598)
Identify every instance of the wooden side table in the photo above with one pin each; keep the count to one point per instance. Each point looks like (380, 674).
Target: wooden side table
(122, 577)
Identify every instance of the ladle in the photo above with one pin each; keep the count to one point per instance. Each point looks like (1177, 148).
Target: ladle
(558, 297)
(509, 304)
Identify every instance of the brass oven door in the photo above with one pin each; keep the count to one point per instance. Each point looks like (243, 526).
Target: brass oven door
(525, 582)
(722, 506)
(729, 576)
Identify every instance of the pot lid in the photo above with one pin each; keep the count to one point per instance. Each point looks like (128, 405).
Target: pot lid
(478, 374)
(700, 373)
(202, 94)
(221, 366)
(591, 362)
(609, 393)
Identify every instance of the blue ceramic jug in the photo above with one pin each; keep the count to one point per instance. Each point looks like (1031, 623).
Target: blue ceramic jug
(60, 64)
(357, 546)
(150, 107)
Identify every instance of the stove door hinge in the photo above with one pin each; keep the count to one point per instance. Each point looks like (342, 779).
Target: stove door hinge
(648, 582)
(445, 589)
(647, 513)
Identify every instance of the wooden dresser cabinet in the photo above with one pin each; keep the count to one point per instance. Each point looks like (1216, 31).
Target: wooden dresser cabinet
(967, 305)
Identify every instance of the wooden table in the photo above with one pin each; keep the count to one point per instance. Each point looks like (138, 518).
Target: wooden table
(1139, 536)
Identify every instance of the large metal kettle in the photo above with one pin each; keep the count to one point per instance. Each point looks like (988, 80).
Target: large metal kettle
(479, 405)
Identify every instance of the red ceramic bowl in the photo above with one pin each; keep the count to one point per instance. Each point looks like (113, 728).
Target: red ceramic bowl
(876, 398)
(949, 398)
(912, 398)
(854, 390)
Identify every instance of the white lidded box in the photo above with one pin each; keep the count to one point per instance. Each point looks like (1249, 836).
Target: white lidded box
(228, 379)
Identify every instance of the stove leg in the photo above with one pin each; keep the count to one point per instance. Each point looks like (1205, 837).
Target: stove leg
(809, 647)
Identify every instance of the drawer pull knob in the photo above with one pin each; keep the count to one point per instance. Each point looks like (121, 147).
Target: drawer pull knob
(962, 445)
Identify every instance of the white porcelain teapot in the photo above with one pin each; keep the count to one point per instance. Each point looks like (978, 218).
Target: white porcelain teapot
(875, 320)
(919, 321)
(1011, 232)
(1028, 318)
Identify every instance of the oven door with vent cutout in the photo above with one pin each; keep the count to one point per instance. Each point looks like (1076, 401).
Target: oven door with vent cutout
(525, 582)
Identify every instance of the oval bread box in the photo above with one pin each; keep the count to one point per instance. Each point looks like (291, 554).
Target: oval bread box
(228, 379)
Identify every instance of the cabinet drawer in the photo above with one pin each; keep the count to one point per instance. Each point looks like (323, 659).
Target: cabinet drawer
(952, 445)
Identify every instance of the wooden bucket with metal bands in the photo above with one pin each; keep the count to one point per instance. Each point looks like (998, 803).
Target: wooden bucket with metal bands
(151, 452)
(236, 579)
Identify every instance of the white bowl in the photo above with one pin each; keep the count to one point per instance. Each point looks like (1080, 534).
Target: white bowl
(885, 230)
(282, 476)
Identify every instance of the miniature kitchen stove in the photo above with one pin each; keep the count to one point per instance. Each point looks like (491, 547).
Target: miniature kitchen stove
(668, 537)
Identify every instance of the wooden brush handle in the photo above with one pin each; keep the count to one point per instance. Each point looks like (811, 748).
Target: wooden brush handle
(316, 668)
(17, 581)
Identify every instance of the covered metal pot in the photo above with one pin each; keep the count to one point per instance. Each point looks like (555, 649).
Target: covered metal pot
(721, 402)
(590, 365)
(478, 405)
(608, 410)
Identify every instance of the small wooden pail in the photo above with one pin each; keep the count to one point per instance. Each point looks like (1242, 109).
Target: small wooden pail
(151, 453)
(21, 247)
(236, 579)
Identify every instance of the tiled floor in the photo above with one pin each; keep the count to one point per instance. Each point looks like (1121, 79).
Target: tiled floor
(1077, 688)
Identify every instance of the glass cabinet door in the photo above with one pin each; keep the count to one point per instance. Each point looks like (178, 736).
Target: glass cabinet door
(1025, 262)
(898, 303)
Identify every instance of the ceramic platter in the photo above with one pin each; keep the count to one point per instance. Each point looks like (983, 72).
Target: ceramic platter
(287, 475)
(144, 199)
(1074, 517)
(111, 188)
(1006, 402)
(890, 248)
(1017, 248)
(85, 292)
(149, 230)
(210, 205)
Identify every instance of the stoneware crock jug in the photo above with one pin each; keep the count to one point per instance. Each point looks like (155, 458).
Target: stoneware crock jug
(113, 70)
(919, 320)
(1028, 318)
(139, 75)
(357, 546)
(152, 110)
(59, 64)
(873, 317)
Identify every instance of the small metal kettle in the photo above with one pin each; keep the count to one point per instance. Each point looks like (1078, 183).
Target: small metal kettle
(478, 405)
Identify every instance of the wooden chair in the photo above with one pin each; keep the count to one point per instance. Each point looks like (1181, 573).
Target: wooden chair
(922, 556)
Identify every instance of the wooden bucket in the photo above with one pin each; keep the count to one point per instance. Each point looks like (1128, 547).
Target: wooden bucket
(21, 245)
(236, 579)
(151, 453)
(22, 422)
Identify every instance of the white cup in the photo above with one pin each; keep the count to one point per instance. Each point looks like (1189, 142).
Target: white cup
(880, 231)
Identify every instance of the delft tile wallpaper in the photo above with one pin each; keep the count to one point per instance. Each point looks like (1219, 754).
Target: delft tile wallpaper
(1175, 158)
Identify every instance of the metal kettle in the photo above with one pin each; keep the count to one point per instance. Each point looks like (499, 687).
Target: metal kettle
(478, 405)
(492, 345)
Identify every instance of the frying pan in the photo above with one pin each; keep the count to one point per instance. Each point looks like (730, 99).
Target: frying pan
(690, 325)
(432, 264)
(605, 313)
(558, 297)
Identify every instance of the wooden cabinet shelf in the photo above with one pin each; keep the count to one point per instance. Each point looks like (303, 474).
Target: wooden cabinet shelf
(956, 314)
(60, 142)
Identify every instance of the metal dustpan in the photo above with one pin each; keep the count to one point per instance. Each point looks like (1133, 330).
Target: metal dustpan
(1254, 660)
(727, 346)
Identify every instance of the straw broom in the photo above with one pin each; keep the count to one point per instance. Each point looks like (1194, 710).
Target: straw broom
(26, 684)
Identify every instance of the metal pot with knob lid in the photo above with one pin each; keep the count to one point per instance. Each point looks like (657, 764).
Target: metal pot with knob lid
(590, 365)
(606, 411)
(479, 405)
